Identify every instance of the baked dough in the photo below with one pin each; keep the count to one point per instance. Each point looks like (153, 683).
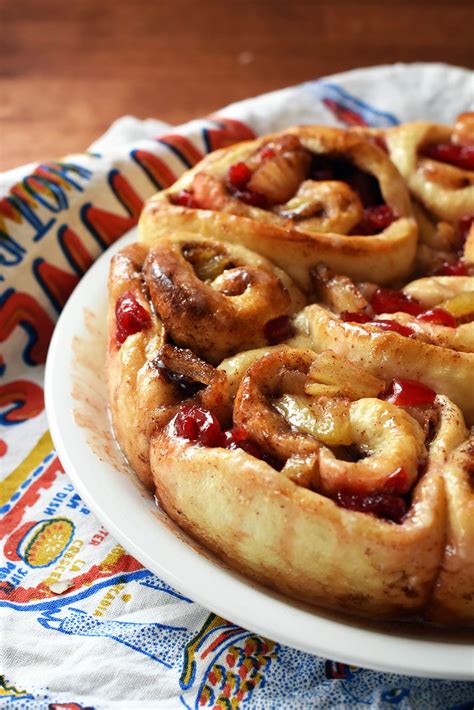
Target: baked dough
(306, 220)
(446, 190)
(299, 541)
(251, 380)
(210, 316)
(453, 597)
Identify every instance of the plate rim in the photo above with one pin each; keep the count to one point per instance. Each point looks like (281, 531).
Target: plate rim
(337, 640)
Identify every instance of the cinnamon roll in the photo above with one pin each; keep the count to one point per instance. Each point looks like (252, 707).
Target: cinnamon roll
(320, 486)
(437, 162)
(293, 412)
(174, 311)
(305, 195)
(424, 332)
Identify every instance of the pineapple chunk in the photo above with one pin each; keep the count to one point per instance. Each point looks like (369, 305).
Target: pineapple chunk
(331, 375)
(326, 419)
(460, 306)
(303, 470)
(337, 291)
(278, 178)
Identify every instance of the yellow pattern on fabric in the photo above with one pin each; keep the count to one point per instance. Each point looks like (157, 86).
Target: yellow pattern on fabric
(212, 622)
(22, 471)
(10, 691)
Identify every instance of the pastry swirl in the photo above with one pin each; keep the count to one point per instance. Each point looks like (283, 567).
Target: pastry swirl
(429, 343)
(207, 298)
(438, 164)
(295, 512)
(305, 195)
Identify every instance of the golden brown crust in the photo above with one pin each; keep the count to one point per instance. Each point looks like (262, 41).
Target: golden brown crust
(216, 298)
(302, 543)
(453, 598)
(389, 355)
(136, 390)
(141, 394)
(293, 244)
(300, 436)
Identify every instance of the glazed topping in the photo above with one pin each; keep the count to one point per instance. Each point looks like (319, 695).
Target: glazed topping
(386, 300)
(200, 425)
(278, 330)
(452, 268)
(238, 176)
(195, 423)
(461, 156)
(131, 317)
(238, 439)
(383, 505)
(393, 326)
(184, 198)
(397, 481)
(409, 393)
(438, 316)
(355, 317)
(375, 220)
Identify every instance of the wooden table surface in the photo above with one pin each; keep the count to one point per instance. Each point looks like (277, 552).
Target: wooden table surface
(68, 69)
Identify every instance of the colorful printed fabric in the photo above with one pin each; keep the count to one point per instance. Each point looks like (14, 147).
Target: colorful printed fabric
(83, 624)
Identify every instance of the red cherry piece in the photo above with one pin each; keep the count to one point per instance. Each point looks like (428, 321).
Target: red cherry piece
(198, 424)
(238, 439)
(409, 393)
(387, 300)
(438, 316)
(464, 226)
(453, 268)
(185, 198)
(397, 481)
(375, 219)
(254, 199)
(238, 176)
(130, 316)
(267, 153)
(393, 326)
(278, 330)
(461, 156)
(383, 505)
(354, 317)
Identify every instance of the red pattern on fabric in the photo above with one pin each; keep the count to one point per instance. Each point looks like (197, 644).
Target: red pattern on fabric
(55, 282)
(230, 131)
(156, 168)
(343, 114)
(22, 308)
(75, 250)
(14, 517)
(27, 397)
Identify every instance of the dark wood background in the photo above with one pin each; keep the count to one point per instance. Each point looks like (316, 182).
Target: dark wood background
(70, 67)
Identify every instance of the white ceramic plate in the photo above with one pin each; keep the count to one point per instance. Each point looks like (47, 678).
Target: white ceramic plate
(77, 412)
